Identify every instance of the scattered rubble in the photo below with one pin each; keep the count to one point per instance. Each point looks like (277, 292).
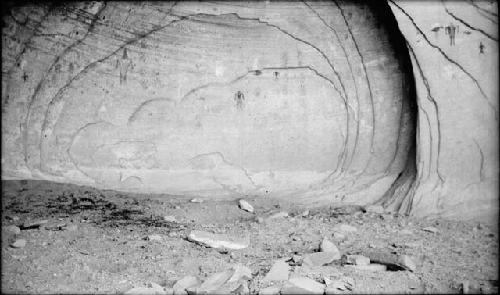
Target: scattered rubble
(244, 205)
(217, 240)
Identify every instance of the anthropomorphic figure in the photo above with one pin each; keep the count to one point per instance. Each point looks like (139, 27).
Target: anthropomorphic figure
(481, 48)
(124, 63)
(451, 30)
(239, 98)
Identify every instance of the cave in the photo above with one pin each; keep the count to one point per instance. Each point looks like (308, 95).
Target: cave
(333, 107)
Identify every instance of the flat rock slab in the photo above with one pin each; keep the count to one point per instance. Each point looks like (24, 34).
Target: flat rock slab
(218, 240)
(272, 290)
(320, 258)
(223, 282)
(302, 285)
(278, 272)
(393, 261)
(369, 267)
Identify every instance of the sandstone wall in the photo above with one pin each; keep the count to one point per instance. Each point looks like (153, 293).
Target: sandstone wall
(313, 101)
(457, 89)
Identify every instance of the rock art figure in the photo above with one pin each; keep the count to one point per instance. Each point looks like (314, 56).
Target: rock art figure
(239, 98)
(124, 63)
(451, 30)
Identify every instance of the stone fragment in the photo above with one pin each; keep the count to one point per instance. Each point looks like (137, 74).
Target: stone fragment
(33, 224)
(407, 262)
(338, 287)
(259, 220)
(241, 290)
(344, 228)
(430, 229)
(278, 272)
(169, 218)
(327, 246)
(12, 229)
(305, 213)
(244, 205)
(218, 240)
(224, 282)
(186, 282)
(369, 267)
(12, 217)
(320, 258)
(271, 290)
(339, 236)
(302, 285)
(196, 200)
(378, 209)
(19, 243)
(59, 226)
(358, 260)
(154, 237)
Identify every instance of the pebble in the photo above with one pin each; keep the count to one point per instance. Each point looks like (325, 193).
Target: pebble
(327, 246)
(278, 272)
(154, 237)
(169, 218)
(320, 258)
(358, 260)
(259, 220)
(272, 290)
(196, 200)
(378, 209)
(369, 267)
(430, 229)
(19, 243)
(218, 240)
(305, 213)
(376, 245)
(186, 282)
(12, 228)
(33, 224)
(245, 206)
(302, 285)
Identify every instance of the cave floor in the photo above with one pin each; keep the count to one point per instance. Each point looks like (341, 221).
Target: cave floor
(94, 242)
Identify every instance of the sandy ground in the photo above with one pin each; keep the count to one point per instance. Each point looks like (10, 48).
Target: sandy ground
(95, 241)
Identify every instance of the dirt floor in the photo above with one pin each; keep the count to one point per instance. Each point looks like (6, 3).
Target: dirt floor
(95, 241)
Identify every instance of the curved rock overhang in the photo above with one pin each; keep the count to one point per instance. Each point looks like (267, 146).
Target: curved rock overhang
(312, 101)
